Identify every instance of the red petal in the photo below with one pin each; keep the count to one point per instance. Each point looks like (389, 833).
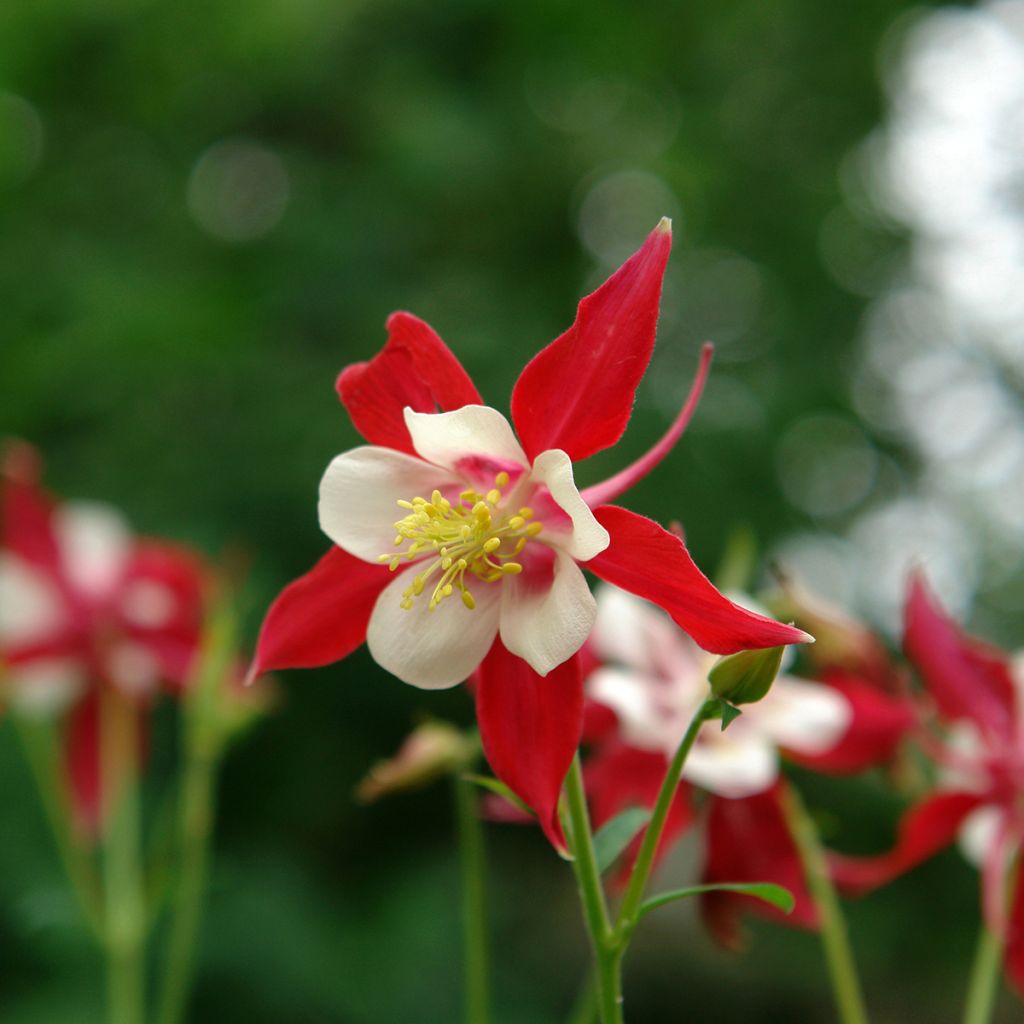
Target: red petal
(924, 830)
(82, 763)
(26, 511)
(621, 776)
(654, 564)
(416, 369)
(320, 617)
(968, 679)
(530, 727)
(748, 840)
(577, 394)
(879, 724)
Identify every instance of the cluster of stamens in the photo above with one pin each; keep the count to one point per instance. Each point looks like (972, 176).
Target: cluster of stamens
(471, 535)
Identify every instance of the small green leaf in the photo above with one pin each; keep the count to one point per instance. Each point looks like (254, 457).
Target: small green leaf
(729, 714)
(776, 895)
(615, 835)
(496, 786)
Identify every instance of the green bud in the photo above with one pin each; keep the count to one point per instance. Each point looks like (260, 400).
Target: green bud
(745, 677)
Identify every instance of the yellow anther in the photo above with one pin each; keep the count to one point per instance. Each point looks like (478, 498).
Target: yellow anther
(398, 540)
(492, 545)
(402, 503)
(502, 479)
(515, 523)
(393, 564)
(446, 563)
(384, 558)
(436, 498)
(533, 529)
(511, 568)
(494, 496)
(526, 512)
(469, 497)
(467, 600)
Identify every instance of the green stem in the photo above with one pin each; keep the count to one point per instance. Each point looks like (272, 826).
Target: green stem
(607, 950)
(122, 871)
(584, 1010)
(41, 753)
(195, 824)
(474, 919)
(835, 938)
(630, 911)
(984, 983)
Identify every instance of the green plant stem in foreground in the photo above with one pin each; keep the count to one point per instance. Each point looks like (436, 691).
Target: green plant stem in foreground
(610, 941)
(838, 954)
(124, 894)
(984, 983)
(195, 825)
(474, 912)
(629, 913)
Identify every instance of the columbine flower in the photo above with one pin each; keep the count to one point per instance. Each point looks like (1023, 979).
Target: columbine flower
(653, 678)
(459, 541)
(977, 692)
(83, 605)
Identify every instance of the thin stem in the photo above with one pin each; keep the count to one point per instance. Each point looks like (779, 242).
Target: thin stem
(984, 983)
(584, 1010)
(474, 916)
(607, 951)
(195, 824)
(630, 910)
(38, 742)
(122, 871)
(834, 936)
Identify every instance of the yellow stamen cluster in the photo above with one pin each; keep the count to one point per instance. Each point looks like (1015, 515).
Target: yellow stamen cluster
(472, 535)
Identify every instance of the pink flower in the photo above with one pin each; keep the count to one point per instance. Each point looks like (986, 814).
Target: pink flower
(459, 541)
(977, 692)
(85, 605)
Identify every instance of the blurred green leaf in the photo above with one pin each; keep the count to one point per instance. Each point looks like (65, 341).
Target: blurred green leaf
(615, 835)
(776, 895)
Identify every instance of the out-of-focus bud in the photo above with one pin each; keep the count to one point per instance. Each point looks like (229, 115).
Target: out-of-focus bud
(841, 640)
(431, 751)
(745, 677)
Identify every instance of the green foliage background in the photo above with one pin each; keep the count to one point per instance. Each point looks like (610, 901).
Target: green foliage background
(189, 381)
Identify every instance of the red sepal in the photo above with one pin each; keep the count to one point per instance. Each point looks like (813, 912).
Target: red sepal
(620, 776)
(320, 617)
(652, 563)
(416, 369)
(530, 728)
(748, 840)
(924, 830)
(82, 763)
(577, 394)
(26, 511)
(967, 679)
(877, 727)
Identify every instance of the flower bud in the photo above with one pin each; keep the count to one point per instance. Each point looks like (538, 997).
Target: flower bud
(431, 751)
(745, 677)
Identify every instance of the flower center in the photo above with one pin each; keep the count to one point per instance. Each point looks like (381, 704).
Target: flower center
(473, 535)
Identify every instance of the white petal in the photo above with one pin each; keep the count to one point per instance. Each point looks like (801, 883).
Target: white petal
(44, 688)
(587, 537)
(808, 718)
(432, 649)
(979, 831)
(133, 669)
(95, 544)
(546, 621)
(732, 767)
(472, 432)
(148, 603)
(30, 605)
(359, 497)
(644, 721)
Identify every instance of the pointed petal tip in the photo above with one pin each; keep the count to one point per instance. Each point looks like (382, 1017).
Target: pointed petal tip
(664, 226)
(252, 673)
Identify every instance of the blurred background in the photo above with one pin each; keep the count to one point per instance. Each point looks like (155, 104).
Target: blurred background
(209, 208)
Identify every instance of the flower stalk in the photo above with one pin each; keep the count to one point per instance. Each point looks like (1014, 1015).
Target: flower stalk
(474, 903)
(984, 983)
(835, 939)
(124, 894)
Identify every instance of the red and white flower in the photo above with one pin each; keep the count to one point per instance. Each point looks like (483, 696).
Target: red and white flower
(654, 678)
(459, 541)
(84, 605)
(977, 697)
